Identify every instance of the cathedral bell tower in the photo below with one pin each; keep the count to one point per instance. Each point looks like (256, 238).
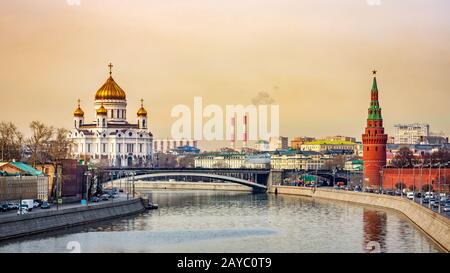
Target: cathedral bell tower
(78, 117)
(142, 116)
(374, 142)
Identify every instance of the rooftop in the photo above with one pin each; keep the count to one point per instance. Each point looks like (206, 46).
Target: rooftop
(329, 142)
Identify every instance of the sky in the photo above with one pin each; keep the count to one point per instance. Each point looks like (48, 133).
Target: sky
(313, 57)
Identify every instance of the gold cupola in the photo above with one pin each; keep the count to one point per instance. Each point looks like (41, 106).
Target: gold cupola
(142, 112)
(110, 90)
(78, 112)
(102, 111)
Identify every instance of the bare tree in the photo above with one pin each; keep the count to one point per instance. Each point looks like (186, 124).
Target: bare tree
(337, 162)
(404, 158)
(59, 145)
(441, 156)
(186, 161)
(11, 140)
(38, 143)
(162, 160)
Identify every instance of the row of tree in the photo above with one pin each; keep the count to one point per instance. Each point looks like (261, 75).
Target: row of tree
(45, 145)
(406, 158)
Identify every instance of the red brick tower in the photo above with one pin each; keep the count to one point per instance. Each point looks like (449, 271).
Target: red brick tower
(374, 141)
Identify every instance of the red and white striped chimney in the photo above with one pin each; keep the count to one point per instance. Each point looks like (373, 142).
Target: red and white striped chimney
(244, 144)
(233, 132)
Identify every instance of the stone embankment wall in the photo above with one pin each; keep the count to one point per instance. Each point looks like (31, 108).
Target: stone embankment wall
(22, 225)
(432, 223)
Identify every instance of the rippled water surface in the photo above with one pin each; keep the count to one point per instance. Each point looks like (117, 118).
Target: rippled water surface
(207, 221)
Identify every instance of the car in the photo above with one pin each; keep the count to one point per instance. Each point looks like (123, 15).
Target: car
(104, 197)
(95, 199)
(45, 205)
(429, 194)
(12, 206)
(410, 195)
(446, 208)
(4, 208)
(434, 203)
(23, 210)
(425, 200)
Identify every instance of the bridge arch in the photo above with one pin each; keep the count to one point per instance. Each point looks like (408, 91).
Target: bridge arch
(255, 186)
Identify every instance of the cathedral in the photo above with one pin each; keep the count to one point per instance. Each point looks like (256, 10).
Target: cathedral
(110, 140)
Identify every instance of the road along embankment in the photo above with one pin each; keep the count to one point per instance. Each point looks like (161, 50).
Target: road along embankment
(22, 225)
(432, 223)
(156, 185)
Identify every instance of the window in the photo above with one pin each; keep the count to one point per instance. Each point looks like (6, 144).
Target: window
(376, 149)
(118, 114)
(104, 148)
(112, 113)
(367, 148)
(104, 122)
(143, 123)
(119, 148)
(140, 148)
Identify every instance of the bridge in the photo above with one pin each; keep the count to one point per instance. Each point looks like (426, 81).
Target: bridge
(257, 179)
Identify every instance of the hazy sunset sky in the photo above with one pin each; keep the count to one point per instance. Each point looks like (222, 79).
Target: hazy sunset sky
(314, 57)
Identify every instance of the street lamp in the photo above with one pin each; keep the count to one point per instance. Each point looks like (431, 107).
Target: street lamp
(382, 178)
(334, 177)
(439, 189)
(429, 184)
(420, 183)
(88, 175)
(20, 189)
(134, 189)
(112, 186)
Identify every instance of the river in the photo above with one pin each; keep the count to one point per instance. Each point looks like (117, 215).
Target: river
(214, 221)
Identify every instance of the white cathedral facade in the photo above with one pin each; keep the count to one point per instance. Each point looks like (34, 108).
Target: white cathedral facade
(110, 140)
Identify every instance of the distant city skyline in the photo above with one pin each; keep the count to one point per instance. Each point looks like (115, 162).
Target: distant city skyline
(312, 63)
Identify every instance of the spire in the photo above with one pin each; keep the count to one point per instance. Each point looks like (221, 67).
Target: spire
(374, 84)
(374, 109)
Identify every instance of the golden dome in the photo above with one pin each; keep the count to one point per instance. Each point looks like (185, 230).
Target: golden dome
(78, 112)
(102, 111)
(142, 112)
(110, 90)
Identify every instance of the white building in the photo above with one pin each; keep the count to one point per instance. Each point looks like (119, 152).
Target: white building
(110, 139)
(296, 160)
(232, 161)
(411, 133)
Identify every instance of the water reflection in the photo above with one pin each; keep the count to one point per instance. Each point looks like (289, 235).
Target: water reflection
(207, 221)
(375, 230)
